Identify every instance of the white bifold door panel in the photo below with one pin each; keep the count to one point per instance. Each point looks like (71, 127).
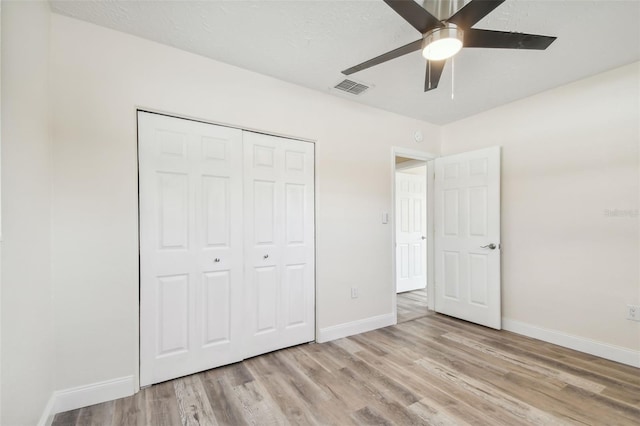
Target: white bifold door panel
(279, 242)
(467, 236)
(195, 298)
(411, 232)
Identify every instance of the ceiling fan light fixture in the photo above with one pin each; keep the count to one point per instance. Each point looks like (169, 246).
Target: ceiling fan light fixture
(442, 43)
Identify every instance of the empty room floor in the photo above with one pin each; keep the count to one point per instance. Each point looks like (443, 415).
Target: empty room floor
(430, 370)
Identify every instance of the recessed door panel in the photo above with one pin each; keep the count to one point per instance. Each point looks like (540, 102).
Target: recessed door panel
(478, 167)
(478, 211)
(214, 149)
(216, 307)
(451, 171)
(264, 156)
(405, 262)
(294, 161)
(216, 210)
(173, 315)
(417, 215)
(173, 210)
(295, 289)
(478, 278)
(266, 287)
(416, 259)
(171, 143)
(294, 199)
(451, 214)
(264, 212)
(451, 274)
(405, 215)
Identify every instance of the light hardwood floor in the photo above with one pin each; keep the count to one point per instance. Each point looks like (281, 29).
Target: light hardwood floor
(412, 305)
(429, 369)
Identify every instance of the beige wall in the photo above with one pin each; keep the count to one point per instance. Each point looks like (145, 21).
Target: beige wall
(99, 77)
(569, 155)
(27, 315)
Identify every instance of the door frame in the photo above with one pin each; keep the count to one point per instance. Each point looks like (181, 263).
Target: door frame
(397, 151)
(141, 108)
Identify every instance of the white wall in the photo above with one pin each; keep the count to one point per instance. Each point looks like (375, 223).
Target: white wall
(569, 155)
(27, 315)
(99, 77)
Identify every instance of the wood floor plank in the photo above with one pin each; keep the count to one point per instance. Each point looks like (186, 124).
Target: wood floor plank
(342, 395)
(412, 305)
(96, 415)
(225, 405)
(193, 403)
(131, 410)
(434, 415)
(429, 369)
(367, 416)
(536, 367)
(287, 399)
(161, 405)
(258, 406)
(518, 408)
(68, 418)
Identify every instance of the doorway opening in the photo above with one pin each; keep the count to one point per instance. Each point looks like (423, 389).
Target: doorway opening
(412, 242)
(411, 236)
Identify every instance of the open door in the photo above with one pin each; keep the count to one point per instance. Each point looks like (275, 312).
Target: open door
(411, 230)
(467, 236)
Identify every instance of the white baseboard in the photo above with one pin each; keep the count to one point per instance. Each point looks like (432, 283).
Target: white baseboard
(355, 327)
(95, 393)
(593, 347)
(46, 419)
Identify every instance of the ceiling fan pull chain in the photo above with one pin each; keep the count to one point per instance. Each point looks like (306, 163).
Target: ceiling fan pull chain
(453, 62)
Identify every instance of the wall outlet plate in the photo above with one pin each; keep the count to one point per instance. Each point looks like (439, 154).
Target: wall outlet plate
(633, 312)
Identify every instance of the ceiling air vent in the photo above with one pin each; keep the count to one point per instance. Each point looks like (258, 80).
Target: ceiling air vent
(351, 86)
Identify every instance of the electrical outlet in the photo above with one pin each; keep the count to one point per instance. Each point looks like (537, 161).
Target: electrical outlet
(633, 312)
(354, 292)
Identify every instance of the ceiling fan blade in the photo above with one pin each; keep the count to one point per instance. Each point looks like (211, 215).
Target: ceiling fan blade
(432, 77)
(400, 51)
(506, 40)
(473, 12)
(414, 14)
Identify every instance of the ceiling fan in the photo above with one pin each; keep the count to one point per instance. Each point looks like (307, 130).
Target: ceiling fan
(443, 38)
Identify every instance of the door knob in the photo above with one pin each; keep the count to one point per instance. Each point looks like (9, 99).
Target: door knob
(423, 238)
(217, 259)
(489, 246)
(266, 256)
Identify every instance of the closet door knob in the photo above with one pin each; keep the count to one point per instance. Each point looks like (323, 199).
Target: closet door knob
(266, 256)
(217, 259)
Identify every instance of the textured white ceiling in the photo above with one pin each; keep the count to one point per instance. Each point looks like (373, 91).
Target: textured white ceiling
(310, 42)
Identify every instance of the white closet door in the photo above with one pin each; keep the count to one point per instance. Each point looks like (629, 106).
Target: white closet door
(191, 256)
(279, 242)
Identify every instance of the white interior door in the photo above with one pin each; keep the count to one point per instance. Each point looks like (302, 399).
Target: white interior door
(279, 242)
(467, 240)
(191, 254)
(411, 231)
